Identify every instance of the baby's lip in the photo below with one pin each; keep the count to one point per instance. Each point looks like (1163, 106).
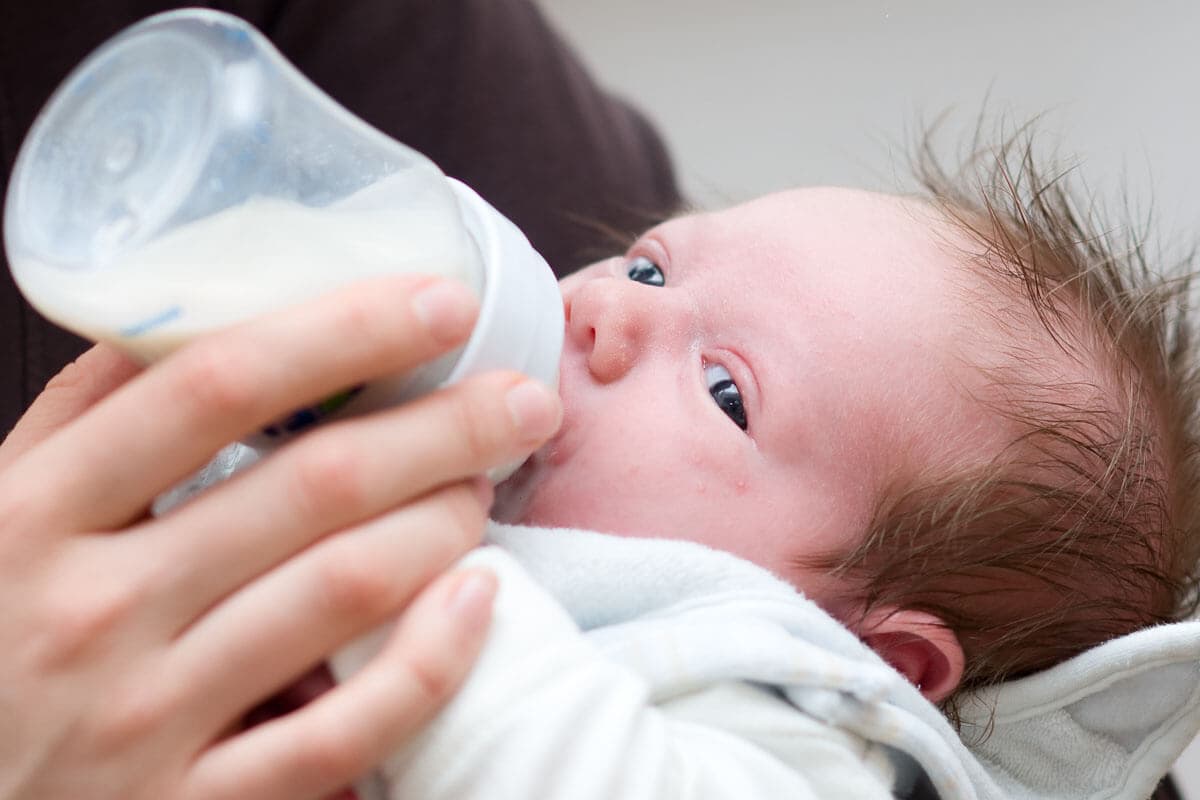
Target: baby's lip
(307, 688)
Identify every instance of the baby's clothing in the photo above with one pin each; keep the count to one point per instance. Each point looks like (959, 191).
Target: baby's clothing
(637, 668)
(617, 687)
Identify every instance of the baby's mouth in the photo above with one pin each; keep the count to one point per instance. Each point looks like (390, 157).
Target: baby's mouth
(307, 688)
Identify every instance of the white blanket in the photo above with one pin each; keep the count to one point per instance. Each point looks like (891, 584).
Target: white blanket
(1106, 724)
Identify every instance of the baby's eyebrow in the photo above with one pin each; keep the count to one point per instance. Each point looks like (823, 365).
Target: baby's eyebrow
(655, 226)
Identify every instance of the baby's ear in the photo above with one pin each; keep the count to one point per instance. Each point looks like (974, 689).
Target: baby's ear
(919, 646)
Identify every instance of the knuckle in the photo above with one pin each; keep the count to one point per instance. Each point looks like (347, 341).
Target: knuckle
(431, 679)
(466, 517)
(334, 755)
(358, 319)
(478, 426)
(329, 474)
(85, 599)
(71, 379)
(157, 575)
(209, 380)
(452, 521)
(353, 585)
(21, 506)
(78, 624)
(130, 715)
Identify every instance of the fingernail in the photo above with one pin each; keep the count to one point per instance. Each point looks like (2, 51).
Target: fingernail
(534, 408)
(447, 310)
(473, 595)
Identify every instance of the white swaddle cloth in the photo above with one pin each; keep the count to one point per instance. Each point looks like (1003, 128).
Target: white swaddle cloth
(1105, 724)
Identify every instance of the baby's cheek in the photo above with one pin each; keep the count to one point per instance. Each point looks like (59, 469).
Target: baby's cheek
(717, 472)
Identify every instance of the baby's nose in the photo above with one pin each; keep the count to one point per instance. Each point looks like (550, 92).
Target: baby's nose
(610, 319)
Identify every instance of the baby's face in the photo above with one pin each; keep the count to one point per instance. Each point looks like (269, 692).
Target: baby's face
(802, 351)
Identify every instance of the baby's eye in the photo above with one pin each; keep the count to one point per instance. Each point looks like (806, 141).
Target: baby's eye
(643, 270)
(725, 393)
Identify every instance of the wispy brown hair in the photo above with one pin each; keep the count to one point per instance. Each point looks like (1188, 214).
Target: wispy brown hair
(1087, 526)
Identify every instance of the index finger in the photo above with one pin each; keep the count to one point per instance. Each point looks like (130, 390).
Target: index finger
(167, 422)
(75, 389)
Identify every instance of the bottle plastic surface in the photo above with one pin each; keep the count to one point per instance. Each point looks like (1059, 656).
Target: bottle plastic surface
(186, 176)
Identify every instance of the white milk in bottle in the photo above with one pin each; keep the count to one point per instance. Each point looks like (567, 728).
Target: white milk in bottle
(263, 254)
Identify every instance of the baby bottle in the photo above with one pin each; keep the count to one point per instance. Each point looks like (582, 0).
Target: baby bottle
(186, 176)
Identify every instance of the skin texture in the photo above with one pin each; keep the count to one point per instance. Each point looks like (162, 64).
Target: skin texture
(135, 645)
(839, 314)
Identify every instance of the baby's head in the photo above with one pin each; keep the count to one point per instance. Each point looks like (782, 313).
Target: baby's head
(951, 421)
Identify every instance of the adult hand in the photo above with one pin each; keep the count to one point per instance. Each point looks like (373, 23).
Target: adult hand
(133, 646)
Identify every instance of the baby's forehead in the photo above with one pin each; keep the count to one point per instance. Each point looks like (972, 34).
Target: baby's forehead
(897, 259)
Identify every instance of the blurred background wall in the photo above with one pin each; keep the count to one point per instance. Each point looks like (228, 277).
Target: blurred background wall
(756, 95)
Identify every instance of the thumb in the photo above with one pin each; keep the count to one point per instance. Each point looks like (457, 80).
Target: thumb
(79, 386)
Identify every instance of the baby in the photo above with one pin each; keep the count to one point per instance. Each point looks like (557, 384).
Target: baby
(959, 424)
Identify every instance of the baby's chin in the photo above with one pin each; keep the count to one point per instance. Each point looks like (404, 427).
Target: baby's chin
(514, 495)
(520, 497)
